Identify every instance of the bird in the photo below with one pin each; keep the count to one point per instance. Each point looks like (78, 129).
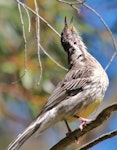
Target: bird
(77, 95)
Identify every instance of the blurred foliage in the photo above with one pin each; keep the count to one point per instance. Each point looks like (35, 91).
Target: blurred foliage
(21, 102)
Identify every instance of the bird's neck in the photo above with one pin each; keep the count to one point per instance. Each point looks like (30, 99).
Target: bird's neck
(76, 53)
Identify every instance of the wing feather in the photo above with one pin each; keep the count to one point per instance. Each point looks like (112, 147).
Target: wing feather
(73, 81)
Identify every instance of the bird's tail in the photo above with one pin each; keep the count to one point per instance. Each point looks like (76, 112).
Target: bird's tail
(40, 124)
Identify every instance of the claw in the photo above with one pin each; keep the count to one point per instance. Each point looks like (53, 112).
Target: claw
(83, 120)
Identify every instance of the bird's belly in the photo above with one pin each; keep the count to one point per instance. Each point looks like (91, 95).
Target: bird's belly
(86, 110)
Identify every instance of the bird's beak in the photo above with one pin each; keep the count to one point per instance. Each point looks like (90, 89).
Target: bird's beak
(72, 28)
(66, 25)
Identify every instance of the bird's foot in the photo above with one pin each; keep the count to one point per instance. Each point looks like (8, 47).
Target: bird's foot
(69, 132)
(83, 120)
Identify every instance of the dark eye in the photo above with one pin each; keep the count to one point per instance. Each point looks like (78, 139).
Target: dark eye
(80, 57)
(75, 42)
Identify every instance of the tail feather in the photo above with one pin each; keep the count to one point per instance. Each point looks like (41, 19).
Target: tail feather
(21, 138)
(43, 122)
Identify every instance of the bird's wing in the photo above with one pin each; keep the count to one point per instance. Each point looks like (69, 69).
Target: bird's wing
(72, 84)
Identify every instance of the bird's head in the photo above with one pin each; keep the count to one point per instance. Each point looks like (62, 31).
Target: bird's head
(70, 38)
(72, 43)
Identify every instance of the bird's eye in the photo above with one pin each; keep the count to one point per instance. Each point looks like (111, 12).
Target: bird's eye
(75, 42)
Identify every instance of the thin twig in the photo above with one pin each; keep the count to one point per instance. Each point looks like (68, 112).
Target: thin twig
(25, 45)
(26, 7)
(39, 17)
(29, 22)
(78, 2)
(109, 31)
(38, 40)
(52, 58)
(98, 140)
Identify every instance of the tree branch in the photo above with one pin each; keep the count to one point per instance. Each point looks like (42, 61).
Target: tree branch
(98, 140)
(38, 41)
(101, 117)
